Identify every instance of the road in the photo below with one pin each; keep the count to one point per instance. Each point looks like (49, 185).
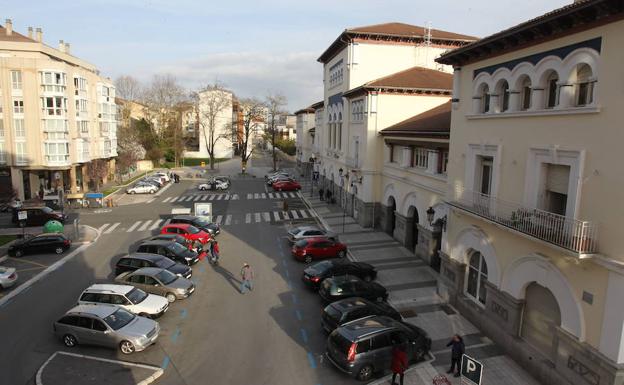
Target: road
(217, 336)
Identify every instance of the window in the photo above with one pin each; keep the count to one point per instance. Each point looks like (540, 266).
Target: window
(584, 86)
(380, 341)
(1, 129)
(339, 136)
(69, 320)
(503, 96)
(552, 90)
(556, 189)
(84, 322)
(18, 106)
(57, 152)
(336, 73)
(18, 126)
(357, 110)
(477, 275)
(525, 102)
(137, 279)
(391, 149)
(55, 125)
(484, 97)
(80, 84)
(53, 81)
(99, 326)
(445, 160)
(3, 159)
(420, 157)
(16, 80)
(54, 106)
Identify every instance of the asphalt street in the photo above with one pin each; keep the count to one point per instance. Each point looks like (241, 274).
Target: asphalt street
(217, 336)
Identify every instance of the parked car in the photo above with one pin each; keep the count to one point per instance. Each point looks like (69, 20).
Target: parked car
(171, 250)
(216, 183)
(278, 178)
(275, 173)
(158, 281)
(150, 182)
(345, 286)
(163, 175)
(363, 347)
(135, 261)
(42, 243)
(200, 222)
(286, 185)
(346, 310)
(177, 238)
(141, 188)
(303, 232)
(106, 325)
(128, 297)
(309, 249)
(314, 274)
(158, 178)
(8, 277)
(188, 231)
(39, 215)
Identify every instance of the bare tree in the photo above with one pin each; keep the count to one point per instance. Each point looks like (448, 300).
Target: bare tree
(128, 88)
(254, 117)
(213, 104)
(275, 107)
(97, 170)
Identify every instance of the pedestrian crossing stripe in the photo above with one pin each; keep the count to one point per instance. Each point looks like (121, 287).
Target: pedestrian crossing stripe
(228, 220)
(167, 199)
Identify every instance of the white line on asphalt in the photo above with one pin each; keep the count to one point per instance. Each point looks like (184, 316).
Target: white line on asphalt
(189, 198)
(150, 201)
(167, 199)
(267, 217)
(162, 190)
(256, 196)
(219, 197)
(227, 197)
(285, 195)
(271, 195)
(228, 220)
(219, 219)
(263, 195)
(294, 214)
(303, 214)
(131, 228)
(174, 199)
(285, 214)
(212, 197)
(156, 224)
(110, 229)
(248, 218)
(167, 222)
(144, 227)
(105, 225)
(249, 196)
(197, 197)
(235, 197)
(276, 216)
(204, 197)
(292, 195)
(258, 218)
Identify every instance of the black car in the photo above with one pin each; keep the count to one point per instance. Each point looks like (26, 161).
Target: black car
(136, 261)
(346, 286)
(363, 347)
(171, 250)
(313, 275)
(199, 222)
(173, 238)
(39, 216)
(43, 243)
(349, 309)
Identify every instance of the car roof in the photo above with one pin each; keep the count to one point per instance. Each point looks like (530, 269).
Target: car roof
(156, 242)
(368, 325)
(147, 270)
(340, 279)
(317, 239)
(145, 256)
(101, 311)
(352, 303)
(165, 237)
(110, 288)
(185, 217)
(303, 228)
(46, 235)
(178, 225)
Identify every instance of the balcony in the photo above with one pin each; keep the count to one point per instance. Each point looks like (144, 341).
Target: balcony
(57, 160)
(578, 237)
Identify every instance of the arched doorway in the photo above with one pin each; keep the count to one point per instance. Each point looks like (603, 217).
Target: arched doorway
(411, 228)
(477, 276)
(540, 319)
(390, 215)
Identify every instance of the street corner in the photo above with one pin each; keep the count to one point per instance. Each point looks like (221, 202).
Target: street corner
(63, 368)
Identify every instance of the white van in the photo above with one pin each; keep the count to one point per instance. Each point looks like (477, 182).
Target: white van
(128, 297)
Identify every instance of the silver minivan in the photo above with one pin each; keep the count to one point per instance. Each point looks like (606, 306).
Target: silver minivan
(106, 325)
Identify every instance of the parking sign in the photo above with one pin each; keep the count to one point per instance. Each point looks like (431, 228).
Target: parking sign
(22, 215)
(471, 371)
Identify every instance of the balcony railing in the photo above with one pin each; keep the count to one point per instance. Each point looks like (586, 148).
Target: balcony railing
(580, 237)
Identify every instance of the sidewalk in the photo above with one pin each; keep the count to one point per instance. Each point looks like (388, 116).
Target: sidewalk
(412, 285)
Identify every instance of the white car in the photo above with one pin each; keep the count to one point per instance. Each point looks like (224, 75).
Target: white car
(8, 277)
(129, 297)
(163, 175)
(216, 185)
(308, 232)
(142, 189)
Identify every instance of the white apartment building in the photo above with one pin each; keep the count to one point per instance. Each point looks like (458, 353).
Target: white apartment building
(221, 134)
(56, 115)
(304, 139)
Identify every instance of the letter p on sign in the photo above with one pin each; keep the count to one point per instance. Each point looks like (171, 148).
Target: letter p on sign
(471, 371)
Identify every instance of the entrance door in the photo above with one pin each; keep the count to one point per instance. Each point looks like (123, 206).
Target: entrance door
(540, 319)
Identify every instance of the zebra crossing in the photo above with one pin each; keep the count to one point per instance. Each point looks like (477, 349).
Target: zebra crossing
(231, 197)
(274, 195)
(221, 219)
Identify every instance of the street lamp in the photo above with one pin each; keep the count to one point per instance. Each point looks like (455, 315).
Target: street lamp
(441, 221)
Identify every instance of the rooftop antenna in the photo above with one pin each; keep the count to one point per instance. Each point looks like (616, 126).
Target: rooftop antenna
(427, 44)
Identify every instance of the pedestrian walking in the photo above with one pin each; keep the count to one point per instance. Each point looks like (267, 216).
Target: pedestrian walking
(321, 194)
(328, 196)
(399, 363)
(457, 351)
(214, 250)
(247, 275)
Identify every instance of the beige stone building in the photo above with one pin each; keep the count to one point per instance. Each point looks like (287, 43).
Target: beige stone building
(532, 248)
(57, 114)
(304, 139)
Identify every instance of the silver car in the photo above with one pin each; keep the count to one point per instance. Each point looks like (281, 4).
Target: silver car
(106, 325)
(158, 281)
(304, 232)
(141, 188)
(8, 277)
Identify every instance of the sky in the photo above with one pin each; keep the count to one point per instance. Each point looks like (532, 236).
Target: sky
(253, 47)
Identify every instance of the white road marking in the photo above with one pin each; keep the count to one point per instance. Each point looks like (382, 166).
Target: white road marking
(248, 218)
(276, 216)
(294, 214)
(249, 196)
(219, 197)
(198, 197)
(303, 214)
(235, 197)
(292, 195)
(266, 216)
(110, 229)
(264, 196)
(167, 199)
(258, 217)
(228, 220)
(166, 222)
(105, 225)
(219, 219)
(256, 196)
(285, 214)
(156, 224)
(134, 225)
(212, 197)
(189, 198)
(150, 201)
(174, 199)
(144, 227)
(271, 195)
(204, 197)
(285, 195)
(227, 197)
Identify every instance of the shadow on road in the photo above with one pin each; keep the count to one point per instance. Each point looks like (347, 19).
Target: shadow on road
(229, 277)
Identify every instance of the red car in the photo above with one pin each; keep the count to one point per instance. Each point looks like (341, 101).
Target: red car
(188, 231)
(286, 185)
(309, 249)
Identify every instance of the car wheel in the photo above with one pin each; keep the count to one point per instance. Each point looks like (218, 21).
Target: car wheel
(132, 192)
(342, 254)
(307, 259)
(365, 373)
(18, 253)
(69, 340)
(126, 347)
(170, 297)
(59, 250)
(152, 191)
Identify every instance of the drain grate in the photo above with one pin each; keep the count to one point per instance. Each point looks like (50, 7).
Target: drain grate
(408, 313)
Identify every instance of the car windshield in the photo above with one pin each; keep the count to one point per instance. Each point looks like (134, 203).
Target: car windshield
(119, 319)
(166, 277)
(136, 296)
(177, 248)
(199, 221)
(302, 243)
(295, 231)
(165, 263)
(192, 230)
(321, 267)
(46, 210)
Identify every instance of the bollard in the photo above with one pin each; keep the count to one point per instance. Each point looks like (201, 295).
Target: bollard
(76, 230)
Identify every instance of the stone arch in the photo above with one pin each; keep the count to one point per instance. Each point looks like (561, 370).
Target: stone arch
(410, 199)
(473, 238)
(545, 67)
(579, 56)
(519, 72)
(536, 268)
(501, 74)
(389, 191)
(479, 81)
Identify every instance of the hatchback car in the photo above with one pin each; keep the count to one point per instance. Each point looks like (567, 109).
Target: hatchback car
(132, 262)
(346, 286)
(314, 274)
(363, 347)
(303, 232)
(162, 175)
(8, 277)
(142, 188)
(158, 281)
(38, 215)
(106, 325)
(278, 178)
(177, 238)
(42, 243)
(309, 249)
(128, 297)
(286, 185)
(346, 310)
(188, 231)
(171, 250)
(200, 222)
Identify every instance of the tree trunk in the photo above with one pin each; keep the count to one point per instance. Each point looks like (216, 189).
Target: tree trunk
(212, 162)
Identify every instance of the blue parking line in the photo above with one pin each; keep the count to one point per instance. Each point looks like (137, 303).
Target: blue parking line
(294, 298)
(202, 269)
(304, 336)
(183, 313)
(175, 335)
(165, 362)
(298, 314)
(286, 273)
(290, 284)
(284, 262)
(311, 360)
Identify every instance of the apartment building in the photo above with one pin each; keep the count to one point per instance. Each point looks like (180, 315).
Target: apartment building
(532, 249)
(57, 114)
(304, 138)
(213, 128)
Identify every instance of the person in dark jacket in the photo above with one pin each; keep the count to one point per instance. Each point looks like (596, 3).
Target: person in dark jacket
(328, 196)
(399, 363)
(321, 193)
(457, 351)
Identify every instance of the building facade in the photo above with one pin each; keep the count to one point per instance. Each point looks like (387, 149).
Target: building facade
(304, 139)
(532, 251)
(56, 116)
(212, 124)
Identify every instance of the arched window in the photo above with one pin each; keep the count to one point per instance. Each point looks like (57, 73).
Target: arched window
(552, 90)
(477, 275)
(503, 96)
(584, 85)
(525, 93)
(485, 99)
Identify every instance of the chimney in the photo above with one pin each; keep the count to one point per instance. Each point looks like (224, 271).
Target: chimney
(8, 24)
(30, 32)
(61, 46)
(39, 34)
(67, 48)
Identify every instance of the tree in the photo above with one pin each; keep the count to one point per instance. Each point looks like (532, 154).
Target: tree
(97, 170)
(213, 104)
(275, 104)
(128, 88)
(254, 116)
(129, 148)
